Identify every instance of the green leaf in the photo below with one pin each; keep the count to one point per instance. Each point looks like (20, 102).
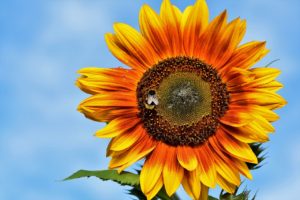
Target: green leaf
(212, 198)
(124, 178)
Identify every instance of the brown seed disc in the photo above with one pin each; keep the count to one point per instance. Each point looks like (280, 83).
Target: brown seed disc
(180, 101)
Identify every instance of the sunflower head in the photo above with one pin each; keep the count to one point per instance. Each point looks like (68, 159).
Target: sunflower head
(191, 102)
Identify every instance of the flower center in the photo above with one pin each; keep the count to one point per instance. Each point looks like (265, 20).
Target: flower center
(183, 98)
(180, 101)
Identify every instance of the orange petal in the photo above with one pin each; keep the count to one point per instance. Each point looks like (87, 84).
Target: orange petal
(119, 99)
(212, 34)
(172, 172)
(229, 38)
(236, 118)
(110, 105)
(236, 76)
(247, 55)
(187, 157)
(107, 114)
(171, 20)
(98, 80)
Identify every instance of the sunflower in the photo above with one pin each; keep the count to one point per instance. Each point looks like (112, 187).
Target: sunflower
(190, 102)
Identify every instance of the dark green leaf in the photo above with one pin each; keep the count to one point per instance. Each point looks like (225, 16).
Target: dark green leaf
(124, 178)
(258, 150)
(161, 195)
(245, 195)
(136, 192)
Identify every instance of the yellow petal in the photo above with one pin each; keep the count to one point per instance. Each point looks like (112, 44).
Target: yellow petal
(127, 157)
(121, 53)
(102, 80)
(264, 123)
(152, 28)
(116, 127)
(136, 158)
(206, 165)
(255, 130)
(258, 97)
(247, 134)
(193, 23)
(212, 34)
(261, 81)
(155, 189)
(236, 118)
(136, 44)
(127, 139)
(225, 185)
(234, 147)
(171, 19)
(234, 163)
(273, 86)
(172, 172)
(265, 71)
(191, 184)
(265, 113)
(228, 173)
(223, 167)
(187, 158)
(152, 169)
(247, 55)
(229, 39)
(242, 167)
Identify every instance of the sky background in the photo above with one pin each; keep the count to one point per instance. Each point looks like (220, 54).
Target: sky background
(43, 138)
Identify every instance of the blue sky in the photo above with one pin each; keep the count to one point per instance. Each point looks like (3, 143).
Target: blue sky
(44, 139)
